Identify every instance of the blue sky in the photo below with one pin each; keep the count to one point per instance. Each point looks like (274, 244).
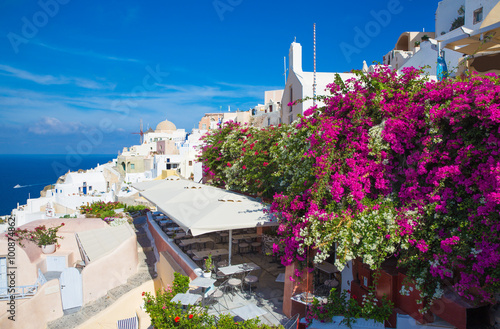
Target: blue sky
(77, 76)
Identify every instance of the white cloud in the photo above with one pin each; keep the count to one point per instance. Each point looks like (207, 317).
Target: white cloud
(54, 126)
(184, 105)
(52, 80)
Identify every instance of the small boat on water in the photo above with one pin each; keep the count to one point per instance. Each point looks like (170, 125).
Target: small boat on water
(17, 186)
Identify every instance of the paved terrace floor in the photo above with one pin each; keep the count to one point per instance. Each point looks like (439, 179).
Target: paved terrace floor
(267, 294)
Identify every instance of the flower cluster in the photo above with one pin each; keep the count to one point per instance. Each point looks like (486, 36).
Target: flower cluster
(101, 209)
(41, 235)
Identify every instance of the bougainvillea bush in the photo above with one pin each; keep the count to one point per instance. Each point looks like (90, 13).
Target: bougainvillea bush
(392, 164)
(256, 160)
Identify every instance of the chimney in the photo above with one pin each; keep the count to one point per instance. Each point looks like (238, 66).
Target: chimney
(295, 57)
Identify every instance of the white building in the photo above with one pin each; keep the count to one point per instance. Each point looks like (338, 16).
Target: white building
(165, 148)
(470, 12)
(269, 113)
(165, 131)
(212, 121)
(450, 17)
(299, 85)
(72, 191)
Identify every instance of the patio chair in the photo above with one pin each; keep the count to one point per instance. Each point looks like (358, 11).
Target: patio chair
(214, 295)
(130, 323)
(181, 243)
(198, 261)
(218, 275)
(255, 246)
(243, 248)
(250, 280)
(223, 237)
(233, 283)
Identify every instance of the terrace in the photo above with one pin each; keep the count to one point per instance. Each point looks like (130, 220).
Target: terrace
(253, 276)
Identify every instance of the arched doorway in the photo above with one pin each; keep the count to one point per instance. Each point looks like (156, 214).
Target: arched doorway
(402, 43)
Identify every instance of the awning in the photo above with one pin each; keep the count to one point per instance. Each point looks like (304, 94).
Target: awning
(486, 39)
(141, 186)
(201, 209)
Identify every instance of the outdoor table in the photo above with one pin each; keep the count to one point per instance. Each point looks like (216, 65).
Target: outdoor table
(204, 283)
(213, 252)
(240, 268)
(165, 222)
(186, 299)
(245, 236)
(249, 311)
(197, 240)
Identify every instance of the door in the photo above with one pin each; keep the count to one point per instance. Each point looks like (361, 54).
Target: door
(71, 288)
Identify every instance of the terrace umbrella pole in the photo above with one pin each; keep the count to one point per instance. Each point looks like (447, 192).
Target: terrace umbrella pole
(230, 246)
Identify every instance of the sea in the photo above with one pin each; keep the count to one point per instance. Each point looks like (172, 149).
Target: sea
(23, 176)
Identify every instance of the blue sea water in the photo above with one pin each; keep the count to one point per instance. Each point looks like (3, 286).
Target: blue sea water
(35, 171)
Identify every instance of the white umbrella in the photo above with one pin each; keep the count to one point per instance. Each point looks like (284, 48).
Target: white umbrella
(201, 209)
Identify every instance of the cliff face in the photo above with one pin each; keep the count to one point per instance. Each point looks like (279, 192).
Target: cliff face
(43, 192)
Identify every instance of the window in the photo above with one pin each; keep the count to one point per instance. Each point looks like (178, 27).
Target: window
(175, 165)
(270, 108)
(3, 276)
(132, 166)
(268, 121)
(90, 188)
(290, 118)
(190, 163)
(478, 15)
(168, 160)
(169, 166)
(291, 98)
(204, 126)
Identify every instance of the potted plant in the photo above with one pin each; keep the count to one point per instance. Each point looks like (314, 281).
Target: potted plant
(425, 37)
(417, 44)
(45, 238)
(349, 311)
(208, 267)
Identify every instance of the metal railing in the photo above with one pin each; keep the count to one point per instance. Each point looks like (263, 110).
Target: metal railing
(20, 292)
